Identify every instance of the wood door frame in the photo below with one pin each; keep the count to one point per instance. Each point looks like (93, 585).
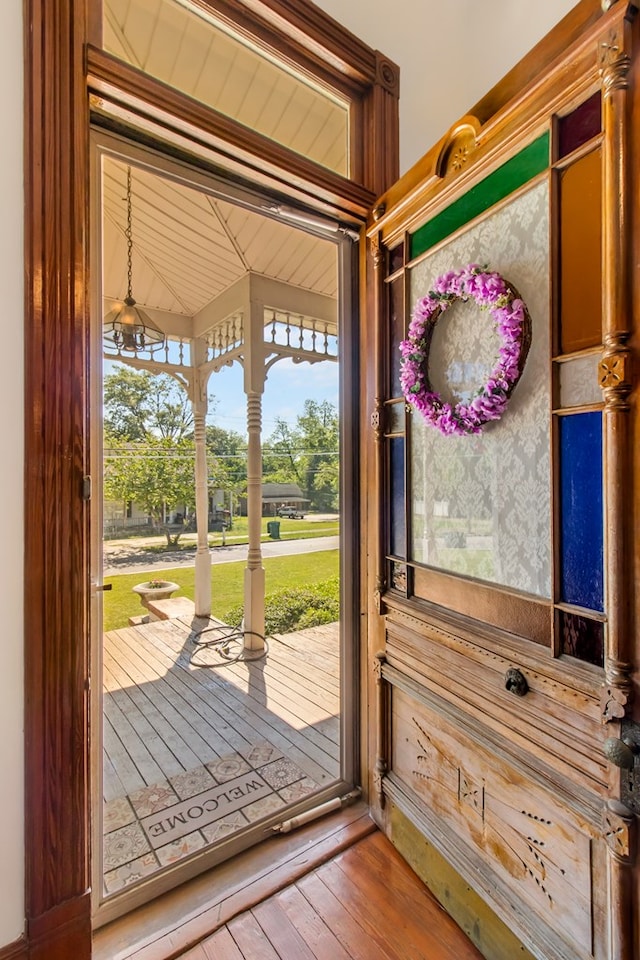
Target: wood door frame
(57, 115)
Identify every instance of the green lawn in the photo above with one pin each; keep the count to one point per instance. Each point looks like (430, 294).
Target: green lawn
(289, 530)
(226, 583)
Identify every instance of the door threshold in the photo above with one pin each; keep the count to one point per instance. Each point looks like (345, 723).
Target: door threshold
(176, 921)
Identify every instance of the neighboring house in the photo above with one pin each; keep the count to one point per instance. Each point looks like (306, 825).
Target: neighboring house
(125, 516)
(276, 495)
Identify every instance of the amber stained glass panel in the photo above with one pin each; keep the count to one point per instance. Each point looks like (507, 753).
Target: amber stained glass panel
(580, 254)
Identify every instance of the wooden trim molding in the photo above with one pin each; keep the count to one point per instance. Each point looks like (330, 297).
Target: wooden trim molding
(148, 98)
(56, 534)
(619, 824)
(57, 394)
(15, 951)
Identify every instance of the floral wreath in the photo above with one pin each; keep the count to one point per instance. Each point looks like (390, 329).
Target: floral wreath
(491, 292)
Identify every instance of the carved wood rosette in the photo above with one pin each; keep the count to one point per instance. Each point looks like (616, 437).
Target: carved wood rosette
(614, 373)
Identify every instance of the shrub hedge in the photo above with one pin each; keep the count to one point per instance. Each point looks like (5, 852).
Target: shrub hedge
(297, 608)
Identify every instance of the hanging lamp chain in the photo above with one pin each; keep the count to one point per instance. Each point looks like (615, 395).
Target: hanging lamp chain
(129, 235)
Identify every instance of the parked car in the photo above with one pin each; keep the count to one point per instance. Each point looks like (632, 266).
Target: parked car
(292, 512)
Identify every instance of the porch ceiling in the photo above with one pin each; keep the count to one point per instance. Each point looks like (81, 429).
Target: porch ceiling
(189, 248)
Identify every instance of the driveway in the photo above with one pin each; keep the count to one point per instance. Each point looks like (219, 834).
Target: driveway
(124, 556)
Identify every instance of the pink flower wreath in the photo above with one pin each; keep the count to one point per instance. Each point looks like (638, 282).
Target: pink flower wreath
(492, 292)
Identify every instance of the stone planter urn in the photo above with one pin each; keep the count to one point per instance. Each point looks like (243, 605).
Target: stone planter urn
(155, 590)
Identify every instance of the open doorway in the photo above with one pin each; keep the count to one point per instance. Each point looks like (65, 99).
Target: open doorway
(225, 696)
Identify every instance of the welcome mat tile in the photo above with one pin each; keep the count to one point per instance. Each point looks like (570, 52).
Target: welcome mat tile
(165, 822)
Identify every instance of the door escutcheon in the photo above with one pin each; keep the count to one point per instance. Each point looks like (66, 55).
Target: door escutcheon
(516, 682)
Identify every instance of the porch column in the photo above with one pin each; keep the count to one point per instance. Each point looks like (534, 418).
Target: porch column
(254, 573)
(254, 377)
(199, 404)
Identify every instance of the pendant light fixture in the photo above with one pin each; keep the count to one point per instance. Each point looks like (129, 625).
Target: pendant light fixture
(126, 325)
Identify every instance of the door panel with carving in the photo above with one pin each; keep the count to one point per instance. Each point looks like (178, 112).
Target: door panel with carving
(502, 598)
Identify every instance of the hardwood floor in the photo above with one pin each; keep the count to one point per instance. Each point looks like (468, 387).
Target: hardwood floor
(364, 904)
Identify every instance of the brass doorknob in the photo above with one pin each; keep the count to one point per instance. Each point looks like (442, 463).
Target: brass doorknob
(619, 752)
(516, 682)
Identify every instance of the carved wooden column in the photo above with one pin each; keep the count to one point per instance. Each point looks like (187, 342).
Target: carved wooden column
(620, 834)
(382, 159)
(614, 369)
(377, 416)
(615, 380)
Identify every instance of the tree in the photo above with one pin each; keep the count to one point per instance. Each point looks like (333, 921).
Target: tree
(227, 453)
(139, 405)
(307, 454)
(157, 473)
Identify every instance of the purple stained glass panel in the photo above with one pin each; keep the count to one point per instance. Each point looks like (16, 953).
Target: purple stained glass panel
(582, 637)
(396, 258)
(580, 126)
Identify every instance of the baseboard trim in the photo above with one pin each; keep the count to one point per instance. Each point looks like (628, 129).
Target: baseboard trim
(15, 951)
(62, 932)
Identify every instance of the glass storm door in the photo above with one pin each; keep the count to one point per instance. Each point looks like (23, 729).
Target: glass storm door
(220, 634)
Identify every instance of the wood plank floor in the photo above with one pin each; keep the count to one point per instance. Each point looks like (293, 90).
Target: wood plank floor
(164, 717)
(364, 904)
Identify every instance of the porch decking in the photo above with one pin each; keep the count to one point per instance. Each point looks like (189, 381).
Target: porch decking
(173, 731)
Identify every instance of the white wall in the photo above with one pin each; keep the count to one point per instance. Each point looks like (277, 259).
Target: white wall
(450, 52)
(11, 477)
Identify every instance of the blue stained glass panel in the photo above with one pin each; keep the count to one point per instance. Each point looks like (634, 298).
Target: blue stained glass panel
(397, 545)
(581, 510)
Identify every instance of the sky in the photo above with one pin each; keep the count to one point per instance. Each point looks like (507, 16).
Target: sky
(288, 386)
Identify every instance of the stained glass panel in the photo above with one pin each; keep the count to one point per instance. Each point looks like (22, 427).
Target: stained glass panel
(581, 254)
(513, 174)
(398, 524)
(395, 417)
(481, 506)
(581, 506)
(580, 126)
(582, 638)
(396, 258)
(397, 323)
(579, 381)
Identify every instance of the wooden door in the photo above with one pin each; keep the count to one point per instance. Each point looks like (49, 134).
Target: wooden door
(502, 604)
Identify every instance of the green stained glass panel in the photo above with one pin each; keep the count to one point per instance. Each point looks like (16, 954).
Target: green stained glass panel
(509, 177)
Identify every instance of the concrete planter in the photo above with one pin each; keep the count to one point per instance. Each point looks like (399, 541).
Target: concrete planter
(155, 590)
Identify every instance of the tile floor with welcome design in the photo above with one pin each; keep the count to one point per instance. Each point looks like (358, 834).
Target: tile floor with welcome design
(163, 823)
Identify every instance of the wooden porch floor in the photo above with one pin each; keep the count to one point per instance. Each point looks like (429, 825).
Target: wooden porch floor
(173, 731)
